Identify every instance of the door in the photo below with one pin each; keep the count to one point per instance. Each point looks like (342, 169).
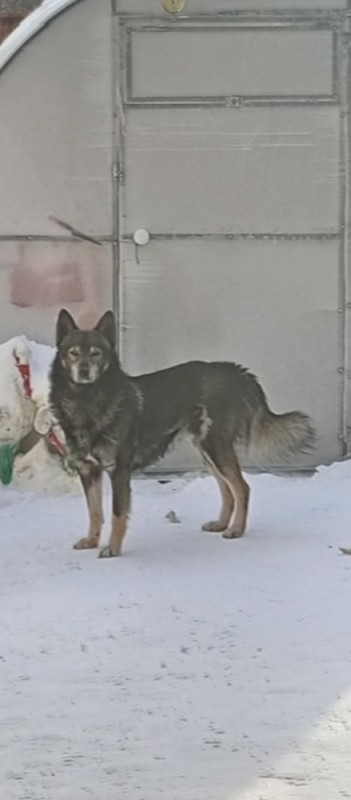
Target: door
(232, 137)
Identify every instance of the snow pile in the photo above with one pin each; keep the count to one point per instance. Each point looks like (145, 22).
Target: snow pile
(41, 358)
(24, 408)
(16, 408)
(21, 393)
(39, 470)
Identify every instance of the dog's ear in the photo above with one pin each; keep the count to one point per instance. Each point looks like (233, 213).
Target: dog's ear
(65, 324)
(107, 326)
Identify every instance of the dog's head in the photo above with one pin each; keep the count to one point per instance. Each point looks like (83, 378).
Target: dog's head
(85, 354)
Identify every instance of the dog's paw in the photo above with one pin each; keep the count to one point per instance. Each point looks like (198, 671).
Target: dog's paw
(232, 533)
(213, 526)
(85, 544)
(109, 552)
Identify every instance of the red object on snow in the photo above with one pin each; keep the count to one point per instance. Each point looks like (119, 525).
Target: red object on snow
(24, 370)
(54, 440)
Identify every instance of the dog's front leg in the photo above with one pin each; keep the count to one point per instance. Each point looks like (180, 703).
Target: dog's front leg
(120, 480)
(91, 479)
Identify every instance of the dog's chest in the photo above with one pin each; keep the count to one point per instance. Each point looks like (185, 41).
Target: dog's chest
(85, 449)
(88, 440)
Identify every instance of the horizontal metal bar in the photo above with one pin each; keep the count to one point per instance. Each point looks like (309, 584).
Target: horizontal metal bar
(128, 237)
(232, 102)
(334, 235)
(294, 26)
(28, 237)
(286, 15)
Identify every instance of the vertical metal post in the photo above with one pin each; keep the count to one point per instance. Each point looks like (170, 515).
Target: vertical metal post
(345, 76)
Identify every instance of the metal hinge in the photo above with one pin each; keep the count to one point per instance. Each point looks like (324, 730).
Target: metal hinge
(234, 102)
(117, 172)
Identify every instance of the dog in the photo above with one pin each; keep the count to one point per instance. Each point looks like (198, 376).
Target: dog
(117, 423)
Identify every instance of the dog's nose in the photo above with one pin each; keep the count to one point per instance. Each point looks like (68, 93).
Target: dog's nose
(84, 371)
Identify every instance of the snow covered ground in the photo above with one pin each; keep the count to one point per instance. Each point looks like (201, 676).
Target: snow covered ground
(192, 668)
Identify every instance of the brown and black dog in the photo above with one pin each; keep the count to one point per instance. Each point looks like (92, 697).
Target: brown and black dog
(117, 423)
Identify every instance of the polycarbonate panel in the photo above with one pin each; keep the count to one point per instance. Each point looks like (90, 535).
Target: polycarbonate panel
(56, 131)
(39, 278)
(225, 170)
(228, 62)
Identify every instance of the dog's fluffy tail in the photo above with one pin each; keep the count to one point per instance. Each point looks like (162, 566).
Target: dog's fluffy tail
(276, 438)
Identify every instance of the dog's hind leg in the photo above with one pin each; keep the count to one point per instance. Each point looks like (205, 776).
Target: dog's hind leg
(223, 457)
(91, 479)
(120, 481)
(227, 509)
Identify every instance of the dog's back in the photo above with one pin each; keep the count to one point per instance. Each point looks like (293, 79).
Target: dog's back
(222, 399)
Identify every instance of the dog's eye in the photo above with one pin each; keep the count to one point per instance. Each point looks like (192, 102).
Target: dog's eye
(95, 352)
(74, 352)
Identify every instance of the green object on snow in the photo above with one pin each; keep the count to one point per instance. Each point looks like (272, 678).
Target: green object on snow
(69, 467)
(7, 458)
